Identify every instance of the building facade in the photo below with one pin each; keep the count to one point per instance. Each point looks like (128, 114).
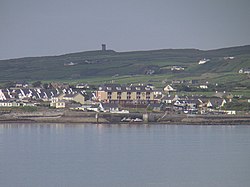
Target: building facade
(115, 93)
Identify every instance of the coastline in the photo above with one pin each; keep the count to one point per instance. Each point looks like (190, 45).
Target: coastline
(109, 118)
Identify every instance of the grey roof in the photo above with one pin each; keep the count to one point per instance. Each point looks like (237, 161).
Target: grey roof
(156, 105)
(72, 94)
(110, 105)
(30, 93)
(124, 88)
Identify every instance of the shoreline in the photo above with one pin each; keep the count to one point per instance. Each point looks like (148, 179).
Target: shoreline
(109, 118)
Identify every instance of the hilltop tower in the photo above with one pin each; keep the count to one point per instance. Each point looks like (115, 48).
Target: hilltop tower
(103, 47)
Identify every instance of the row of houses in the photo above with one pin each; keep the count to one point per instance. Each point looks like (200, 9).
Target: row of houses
(31, 97)
(110, 97)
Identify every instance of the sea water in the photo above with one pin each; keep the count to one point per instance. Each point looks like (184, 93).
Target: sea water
(90, 155)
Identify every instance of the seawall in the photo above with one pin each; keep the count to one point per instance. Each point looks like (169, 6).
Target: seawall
(151, 118)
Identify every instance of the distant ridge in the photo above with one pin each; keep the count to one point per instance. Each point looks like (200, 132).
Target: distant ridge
(94, 64)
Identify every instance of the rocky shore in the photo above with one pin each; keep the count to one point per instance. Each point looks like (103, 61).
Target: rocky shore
(150, 118)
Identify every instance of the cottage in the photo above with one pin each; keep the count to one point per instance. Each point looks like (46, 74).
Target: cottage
(213, 102)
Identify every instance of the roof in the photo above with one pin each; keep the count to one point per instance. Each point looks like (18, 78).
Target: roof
(124, 88)
(168, 97)
(71, 95)
(36, 93)
(155, 105)
(110, 105)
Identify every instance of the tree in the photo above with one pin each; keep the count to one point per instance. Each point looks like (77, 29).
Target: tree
(8, 84)
(37, 84)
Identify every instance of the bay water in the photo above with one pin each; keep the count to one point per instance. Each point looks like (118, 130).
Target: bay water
(93, 155)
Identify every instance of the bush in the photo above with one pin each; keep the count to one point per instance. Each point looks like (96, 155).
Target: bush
(238, 106)
(29, 108)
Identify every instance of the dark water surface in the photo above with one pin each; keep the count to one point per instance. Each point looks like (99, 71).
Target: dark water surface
(122, 155)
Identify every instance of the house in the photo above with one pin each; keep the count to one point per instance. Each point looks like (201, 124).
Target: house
(109, 107)
(5, 94)
(168, 99)
(177, 81)
(213, 102)
(180, 103)
(177, 68)
(187, 104)
(82, 86)
(245, 71)
(59, 85)
(158, 98)
(203, 61)
(193, 103)
(94, 108)
(203, 86)
(9, 103)
(125, 94)
(229, 58)
(21, 84)
(77, 97)
(27, 103)
(216, 103)
(29, 94)
(157, 92)
(169, 88)
(70, 64)
(57, 103)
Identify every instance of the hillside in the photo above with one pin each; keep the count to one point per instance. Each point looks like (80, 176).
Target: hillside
(147, 65)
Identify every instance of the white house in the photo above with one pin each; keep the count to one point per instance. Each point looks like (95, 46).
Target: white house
(169, 88)
(8, 103)
(203, 61)
(203, 86)
(57, 103)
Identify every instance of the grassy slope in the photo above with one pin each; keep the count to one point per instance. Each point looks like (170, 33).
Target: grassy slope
(96, 66)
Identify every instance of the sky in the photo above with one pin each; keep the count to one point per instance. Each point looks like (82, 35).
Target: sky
(54, 27)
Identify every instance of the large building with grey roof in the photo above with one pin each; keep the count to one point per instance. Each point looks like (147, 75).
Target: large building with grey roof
(116, 93)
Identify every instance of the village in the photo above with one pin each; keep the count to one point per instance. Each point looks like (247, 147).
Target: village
(113, 98)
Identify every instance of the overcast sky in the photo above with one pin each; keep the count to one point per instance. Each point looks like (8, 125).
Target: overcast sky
(52, 27)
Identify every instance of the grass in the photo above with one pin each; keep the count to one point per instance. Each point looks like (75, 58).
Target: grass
(130, 67)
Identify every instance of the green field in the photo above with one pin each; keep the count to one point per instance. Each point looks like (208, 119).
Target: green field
(97, 67)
